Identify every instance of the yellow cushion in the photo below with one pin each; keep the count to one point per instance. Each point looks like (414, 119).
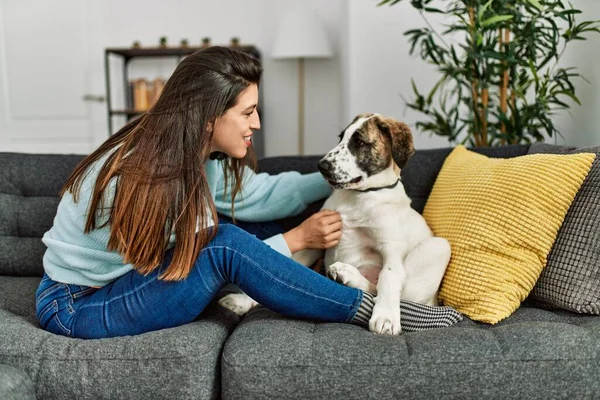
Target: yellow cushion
(501, 217)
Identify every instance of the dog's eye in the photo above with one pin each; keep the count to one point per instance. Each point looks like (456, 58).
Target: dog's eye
(359, 142)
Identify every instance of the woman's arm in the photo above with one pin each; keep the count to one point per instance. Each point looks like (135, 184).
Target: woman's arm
(267, 197)
(321, 230)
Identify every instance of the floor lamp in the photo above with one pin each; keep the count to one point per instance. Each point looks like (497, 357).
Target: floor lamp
(300, 35)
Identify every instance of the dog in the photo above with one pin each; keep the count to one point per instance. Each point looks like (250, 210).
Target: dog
(386, 247)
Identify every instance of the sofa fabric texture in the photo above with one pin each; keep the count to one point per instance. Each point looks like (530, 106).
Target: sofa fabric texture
(15, 384)
(181, 362)
(29, 187)
(535, 353)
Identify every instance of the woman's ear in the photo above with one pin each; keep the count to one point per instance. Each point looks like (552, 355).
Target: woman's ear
(209, 127)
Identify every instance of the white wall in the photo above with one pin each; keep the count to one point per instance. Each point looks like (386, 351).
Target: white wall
(369, 72)
(581, 127)
(378, 69)
(323, 102)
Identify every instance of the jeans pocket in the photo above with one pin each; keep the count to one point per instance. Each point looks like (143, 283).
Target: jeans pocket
(49, 319)
(57, 327)
(39, 298)
(43, 314)
(84, 291)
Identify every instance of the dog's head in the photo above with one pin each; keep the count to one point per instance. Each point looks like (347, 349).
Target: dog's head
(369, 147)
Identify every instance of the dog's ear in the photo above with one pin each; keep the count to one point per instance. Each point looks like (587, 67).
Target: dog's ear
(400, 139)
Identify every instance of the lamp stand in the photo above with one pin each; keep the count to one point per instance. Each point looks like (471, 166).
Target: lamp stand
(301, 106)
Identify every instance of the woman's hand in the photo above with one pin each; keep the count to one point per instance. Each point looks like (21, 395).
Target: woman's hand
(321, 230)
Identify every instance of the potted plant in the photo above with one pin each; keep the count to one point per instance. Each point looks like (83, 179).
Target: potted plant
(500, 78)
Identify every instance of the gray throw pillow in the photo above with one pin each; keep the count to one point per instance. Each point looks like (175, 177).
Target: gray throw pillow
(571, 278)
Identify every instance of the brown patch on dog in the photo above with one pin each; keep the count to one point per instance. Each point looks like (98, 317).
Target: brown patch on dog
(398, 136)
(372, 152)
(359, 116)
(372, 133)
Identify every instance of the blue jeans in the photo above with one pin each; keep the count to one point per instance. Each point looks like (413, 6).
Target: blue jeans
(134, 303)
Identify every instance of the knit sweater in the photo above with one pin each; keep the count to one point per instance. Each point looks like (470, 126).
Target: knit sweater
(79, 258)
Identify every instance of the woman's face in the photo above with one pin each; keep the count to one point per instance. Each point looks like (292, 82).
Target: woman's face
(232, 132)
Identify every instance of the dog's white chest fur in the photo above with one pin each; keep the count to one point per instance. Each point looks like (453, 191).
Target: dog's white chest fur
(370, 220)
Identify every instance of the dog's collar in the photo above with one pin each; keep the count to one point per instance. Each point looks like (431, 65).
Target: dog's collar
(393, 185)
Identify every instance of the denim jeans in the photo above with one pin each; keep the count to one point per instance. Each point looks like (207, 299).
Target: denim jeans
(134, 303)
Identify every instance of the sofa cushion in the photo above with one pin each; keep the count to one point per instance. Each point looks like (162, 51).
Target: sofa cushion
(15, 384)
(534, 354)
(571, 279)
(182, 362)
(422, 169)
(501, 218)
(29, 188)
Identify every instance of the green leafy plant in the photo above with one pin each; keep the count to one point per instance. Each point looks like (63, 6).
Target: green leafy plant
(501, 82)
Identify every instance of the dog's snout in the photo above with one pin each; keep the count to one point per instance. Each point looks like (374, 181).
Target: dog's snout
(326, 167)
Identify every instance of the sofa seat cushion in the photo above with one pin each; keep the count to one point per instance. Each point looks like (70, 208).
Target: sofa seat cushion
(15, 384)
(175, 363)
(532, 354)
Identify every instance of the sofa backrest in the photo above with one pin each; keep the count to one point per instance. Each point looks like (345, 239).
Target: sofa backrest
(30, 184)
(421, 171)
(418, 176)
(29, 188)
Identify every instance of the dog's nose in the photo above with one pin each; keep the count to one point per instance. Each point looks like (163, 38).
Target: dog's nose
(326, 168)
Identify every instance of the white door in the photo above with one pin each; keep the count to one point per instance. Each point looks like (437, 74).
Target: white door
(51, 76)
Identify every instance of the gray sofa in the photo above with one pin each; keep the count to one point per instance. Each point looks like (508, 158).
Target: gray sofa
(15, 384)
(533, 354)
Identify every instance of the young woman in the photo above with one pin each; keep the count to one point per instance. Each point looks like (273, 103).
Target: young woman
(136, 243)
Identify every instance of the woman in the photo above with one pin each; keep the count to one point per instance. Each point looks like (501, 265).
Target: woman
(136, 244)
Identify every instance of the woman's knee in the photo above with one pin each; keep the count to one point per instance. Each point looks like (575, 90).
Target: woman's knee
(219, 254)
(232, 234)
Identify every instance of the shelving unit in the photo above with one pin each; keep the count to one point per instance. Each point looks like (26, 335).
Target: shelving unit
(128, 54)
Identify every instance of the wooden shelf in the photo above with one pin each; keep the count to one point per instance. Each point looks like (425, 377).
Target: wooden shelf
(131, 52)
(128, 112)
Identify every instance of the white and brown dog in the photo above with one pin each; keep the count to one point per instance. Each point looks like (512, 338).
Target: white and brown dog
(386, 247)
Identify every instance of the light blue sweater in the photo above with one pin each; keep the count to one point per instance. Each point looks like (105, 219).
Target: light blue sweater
(75, 257)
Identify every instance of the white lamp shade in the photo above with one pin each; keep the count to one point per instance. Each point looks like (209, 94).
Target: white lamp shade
(301, 34)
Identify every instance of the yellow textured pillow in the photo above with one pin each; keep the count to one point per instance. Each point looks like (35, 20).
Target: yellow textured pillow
(501, 217)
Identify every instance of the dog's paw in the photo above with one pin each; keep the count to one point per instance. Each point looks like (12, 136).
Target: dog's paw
(345, 274)
(239, 303)
(385, 320)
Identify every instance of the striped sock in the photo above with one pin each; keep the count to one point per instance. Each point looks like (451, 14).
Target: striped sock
(413, 316)
(365, 310)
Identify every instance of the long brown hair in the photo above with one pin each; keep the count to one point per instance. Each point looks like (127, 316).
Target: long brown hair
(158, 162)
